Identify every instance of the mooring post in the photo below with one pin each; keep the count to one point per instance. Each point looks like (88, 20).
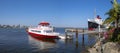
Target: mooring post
(76, 33)
(77, 43)
(83, 41)
(83, 44)
(65, 34)
(83, 30)
(83, 36)
(76, 38)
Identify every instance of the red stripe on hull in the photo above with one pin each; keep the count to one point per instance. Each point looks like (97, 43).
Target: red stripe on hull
(42, 36)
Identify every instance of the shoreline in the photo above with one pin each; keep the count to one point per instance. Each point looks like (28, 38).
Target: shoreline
(107, 47)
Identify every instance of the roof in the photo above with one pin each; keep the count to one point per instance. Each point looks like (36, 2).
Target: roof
(44, 23)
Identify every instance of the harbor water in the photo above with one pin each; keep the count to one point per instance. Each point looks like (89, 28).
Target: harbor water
(18, 41)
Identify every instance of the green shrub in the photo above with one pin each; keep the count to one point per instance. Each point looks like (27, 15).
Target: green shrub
(115, 35)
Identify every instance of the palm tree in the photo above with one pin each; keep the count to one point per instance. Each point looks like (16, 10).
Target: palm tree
(113, 14)
(111, 17)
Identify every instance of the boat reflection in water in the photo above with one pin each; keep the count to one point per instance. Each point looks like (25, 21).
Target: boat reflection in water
(41, 43)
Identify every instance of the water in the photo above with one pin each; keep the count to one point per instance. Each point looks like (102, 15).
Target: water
(18, 41)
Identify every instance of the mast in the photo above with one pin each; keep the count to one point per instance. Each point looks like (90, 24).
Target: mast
(95, 13)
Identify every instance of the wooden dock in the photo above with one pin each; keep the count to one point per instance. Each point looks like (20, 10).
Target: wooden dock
(69, 32)
(80, 31)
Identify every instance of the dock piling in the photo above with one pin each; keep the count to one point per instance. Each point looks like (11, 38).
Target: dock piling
(76, 33)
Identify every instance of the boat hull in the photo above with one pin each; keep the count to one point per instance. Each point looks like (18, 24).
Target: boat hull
(92, 25)
(42, 36)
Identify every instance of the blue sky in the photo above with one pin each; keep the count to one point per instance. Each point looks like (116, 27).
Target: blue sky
(60, 13)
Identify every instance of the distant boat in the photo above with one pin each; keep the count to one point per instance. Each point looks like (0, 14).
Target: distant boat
(94, 23)
(44, 30)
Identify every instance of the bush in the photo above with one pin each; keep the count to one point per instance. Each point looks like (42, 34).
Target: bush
(115, 35)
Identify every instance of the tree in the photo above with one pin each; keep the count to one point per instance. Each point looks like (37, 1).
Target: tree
(113, 14)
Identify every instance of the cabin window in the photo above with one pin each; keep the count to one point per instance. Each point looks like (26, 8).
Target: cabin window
(35, 31)
(49, 31)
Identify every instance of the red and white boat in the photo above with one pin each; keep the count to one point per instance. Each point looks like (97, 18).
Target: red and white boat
(43, 30)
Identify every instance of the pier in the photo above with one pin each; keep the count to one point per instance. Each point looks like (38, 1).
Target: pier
(69, 32)
(80, 31)
(73, 33)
